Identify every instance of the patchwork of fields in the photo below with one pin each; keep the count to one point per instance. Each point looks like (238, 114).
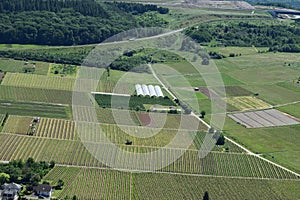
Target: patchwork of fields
(228, 167)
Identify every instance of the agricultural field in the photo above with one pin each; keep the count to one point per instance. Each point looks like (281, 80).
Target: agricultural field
(271, 66)
(66, 152)
(247, 103)
(106, 115)
(19, 66)
(74, 153)
(56, 128)
(264, 118)
(91, 183)
(2, 118)
(38, 81)
(274, 94)
(17, 124)
(131, 102)
(26, 94)
(123, 82)
(166, 186)
(279, 144)
(34, 109)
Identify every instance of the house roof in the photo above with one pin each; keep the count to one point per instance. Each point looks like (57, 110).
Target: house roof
(42, 188)
(11, 186)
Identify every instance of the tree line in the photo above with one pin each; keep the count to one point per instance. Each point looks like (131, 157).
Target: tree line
(71, 22)
(279, 37)
(29, 173)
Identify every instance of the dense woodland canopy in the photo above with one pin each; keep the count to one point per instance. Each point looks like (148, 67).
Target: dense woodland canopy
(279, 37)
(70, 22)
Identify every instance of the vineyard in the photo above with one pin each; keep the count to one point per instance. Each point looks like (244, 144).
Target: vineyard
(91, 183)
(102, 183)
(38, 81)
(17, 124)
(56, 128)
(34, 109)
(247, 103)
(13, 93)
(74, 153)
(61, 151)
(170, 186)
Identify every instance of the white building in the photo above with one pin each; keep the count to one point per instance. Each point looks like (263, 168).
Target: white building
(158, 91)
(139, 90)
(152, 91)
(145, 90)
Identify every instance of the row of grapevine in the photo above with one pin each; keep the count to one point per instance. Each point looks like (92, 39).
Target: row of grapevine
(15, 93)
(56, 128)
(2, 117)
(38, 81)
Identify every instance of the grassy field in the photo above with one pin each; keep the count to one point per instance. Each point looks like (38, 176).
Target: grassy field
(124, 82)
(271, 67)
(34, 109)
(226, 51)
(10, 65)
(38, 81)
(274, 94)
(17, 124)
(293, 109)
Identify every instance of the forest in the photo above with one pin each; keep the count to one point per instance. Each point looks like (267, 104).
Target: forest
(278, 37)
(71, 22)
